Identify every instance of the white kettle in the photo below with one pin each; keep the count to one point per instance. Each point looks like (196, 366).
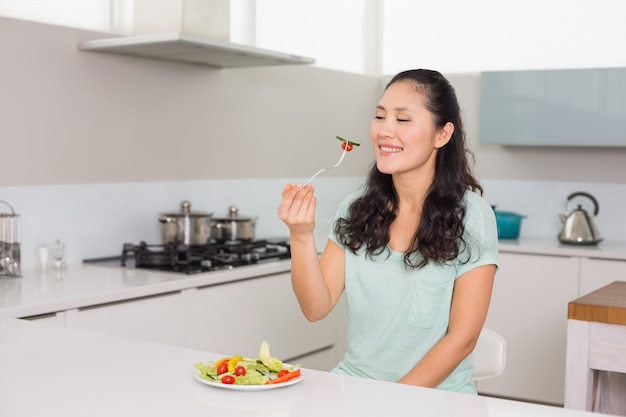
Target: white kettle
(578, 226)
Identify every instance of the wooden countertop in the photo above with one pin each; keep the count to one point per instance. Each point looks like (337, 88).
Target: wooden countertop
(605, 305)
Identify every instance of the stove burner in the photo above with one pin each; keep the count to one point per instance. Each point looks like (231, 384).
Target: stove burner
(201, 258)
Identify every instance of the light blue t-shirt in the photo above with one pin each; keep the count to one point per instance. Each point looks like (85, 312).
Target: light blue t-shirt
(396, 315)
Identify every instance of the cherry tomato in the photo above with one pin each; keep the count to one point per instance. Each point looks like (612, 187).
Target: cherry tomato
(228, 379)
(284, 371)
(240, 371)
(347, 146)
(222, 368)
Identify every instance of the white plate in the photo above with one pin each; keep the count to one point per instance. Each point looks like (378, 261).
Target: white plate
(235, 387)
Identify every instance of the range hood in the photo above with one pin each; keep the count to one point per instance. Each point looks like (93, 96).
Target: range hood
(192, 49)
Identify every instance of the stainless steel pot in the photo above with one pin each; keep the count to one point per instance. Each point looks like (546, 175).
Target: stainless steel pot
(233, 227)
(10, 238)
(190, 228)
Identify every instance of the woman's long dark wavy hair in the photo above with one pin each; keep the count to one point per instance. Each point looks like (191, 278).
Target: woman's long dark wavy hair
(439, 237)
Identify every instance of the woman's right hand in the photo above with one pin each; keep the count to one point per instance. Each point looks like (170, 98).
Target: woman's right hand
(315, 295)
(297, 209)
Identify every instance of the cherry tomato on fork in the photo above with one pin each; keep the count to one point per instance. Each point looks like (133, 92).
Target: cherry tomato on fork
(347, 146)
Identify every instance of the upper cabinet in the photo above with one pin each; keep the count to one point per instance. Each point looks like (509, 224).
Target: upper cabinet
(577, 107)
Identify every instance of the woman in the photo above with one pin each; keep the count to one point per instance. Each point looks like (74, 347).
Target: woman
(415, 251)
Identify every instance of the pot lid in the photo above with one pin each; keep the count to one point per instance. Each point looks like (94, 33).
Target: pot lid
(233, 216)
(509, 214)
(185, 210)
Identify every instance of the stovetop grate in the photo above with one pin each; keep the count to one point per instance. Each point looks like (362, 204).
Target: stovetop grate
(192, 259)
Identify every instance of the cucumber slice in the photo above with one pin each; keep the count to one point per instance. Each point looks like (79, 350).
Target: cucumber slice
(349, 141)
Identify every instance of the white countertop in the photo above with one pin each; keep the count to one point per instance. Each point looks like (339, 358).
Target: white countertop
(49, 370)
(84, 285)
(603, 250)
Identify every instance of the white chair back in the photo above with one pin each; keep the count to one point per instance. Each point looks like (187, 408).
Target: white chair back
(489, 355)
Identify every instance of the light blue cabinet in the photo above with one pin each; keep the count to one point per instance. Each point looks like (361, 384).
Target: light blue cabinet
(575, 107)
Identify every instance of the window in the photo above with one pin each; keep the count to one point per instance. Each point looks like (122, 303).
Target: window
(479, 35)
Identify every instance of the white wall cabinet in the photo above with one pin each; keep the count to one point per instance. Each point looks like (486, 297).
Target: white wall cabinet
(56, 319)
(529, 309)
(596, 273)
(323, 360)
(223, 318)
(341, 312)
(540, 107)
(240, 315)
(159, 318)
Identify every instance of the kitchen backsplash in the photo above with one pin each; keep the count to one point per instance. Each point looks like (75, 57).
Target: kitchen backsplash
(94, 220)
(543, 201)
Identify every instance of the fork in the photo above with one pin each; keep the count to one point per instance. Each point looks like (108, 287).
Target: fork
(345, 149)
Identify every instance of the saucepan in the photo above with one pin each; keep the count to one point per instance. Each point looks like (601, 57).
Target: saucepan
(190, 228)
(233, 227)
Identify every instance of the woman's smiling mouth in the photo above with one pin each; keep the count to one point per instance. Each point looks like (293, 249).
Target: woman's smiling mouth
(390, 149)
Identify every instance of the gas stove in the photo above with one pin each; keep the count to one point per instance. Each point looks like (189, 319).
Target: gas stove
(193, 259)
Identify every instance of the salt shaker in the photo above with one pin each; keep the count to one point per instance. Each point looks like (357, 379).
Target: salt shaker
(43, 256)
(57, 250)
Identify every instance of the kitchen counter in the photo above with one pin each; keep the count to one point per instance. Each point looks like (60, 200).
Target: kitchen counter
(83, 285)
(50, 370)
(603, 250)
(596, 340)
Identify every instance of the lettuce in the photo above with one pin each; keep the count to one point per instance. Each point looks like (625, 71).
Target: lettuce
(207, 370)
(272, 363)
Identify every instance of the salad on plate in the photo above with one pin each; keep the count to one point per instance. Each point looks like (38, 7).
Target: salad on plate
(245, 371)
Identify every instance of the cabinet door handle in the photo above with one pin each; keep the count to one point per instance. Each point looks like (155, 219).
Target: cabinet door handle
(128, 300)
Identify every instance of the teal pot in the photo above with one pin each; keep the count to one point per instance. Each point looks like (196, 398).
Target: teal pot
(509, 224)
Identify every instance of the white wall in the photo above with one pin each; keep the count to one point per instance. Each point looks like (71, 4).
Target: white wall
(70, 116)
